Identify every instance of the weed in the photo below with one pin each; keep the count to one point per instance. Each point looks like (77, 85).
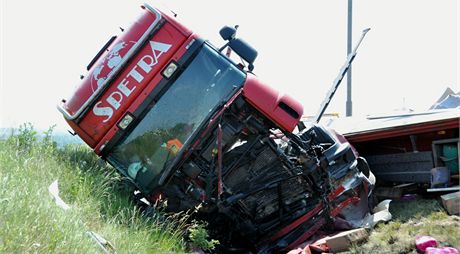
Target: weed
(199, 236)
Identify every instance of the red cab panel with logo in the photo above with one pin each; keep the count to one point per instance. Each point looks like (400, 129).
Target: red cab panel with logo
(146, 64)
(110, 61)
(121, 73)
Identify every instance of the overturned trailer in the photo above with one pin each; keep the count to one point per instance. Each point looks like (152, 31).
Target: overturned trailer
(407, 147)
(183, 122)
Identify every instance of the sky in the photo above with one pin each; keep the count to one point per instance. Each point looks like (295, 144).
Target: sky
(410, 56)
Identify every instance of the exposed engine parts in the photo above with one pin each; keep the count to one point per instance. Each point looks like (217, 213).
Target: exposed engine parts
(262, 189)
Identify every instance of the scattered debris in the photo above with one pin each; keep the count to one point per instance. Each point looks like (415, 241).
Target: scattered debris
(428, 245)
(338, 242)
(343, 240)
(54, 191)
(105, 245)
(451, 202)
(423, 242)
(444, 250)
(382, 206)
(381, 213)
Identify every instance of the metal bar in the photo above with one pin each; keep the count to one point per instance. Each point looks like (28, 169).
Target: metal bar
(297, 222)
(219, 161)
(349, 106)
(311, 231)
(453, 188)
(339, 78)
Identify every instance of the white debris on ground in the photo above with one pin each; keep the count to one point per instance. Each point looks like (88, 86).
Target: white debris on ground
(54, 191)
(106, 246)
(381, 213)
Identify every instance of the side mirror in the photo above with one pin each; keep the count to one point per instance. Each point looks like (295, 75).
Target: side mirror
(243, 49)
(227, 33)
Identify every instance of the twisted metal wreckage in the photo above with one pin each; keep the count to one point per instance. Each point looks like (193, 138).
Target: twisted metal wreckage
(181, 120)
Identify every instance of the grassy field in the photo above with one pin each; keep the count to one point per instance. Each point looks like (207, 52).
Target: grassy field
(30, 221)
(411, 219)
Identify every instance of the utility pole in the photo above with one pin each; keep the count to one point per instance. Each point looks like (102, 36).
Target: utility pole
(349, 109)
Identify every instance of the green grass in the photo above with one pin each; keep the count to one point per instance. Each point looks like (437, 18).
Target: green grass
(411, 219)
(30, 221)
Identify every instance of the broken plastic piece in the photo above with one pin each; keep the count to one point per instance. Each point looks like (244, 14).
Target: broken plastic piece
(381, 214)
(384, 205)
(376, 218)
(105, 245)
(423, 242)
(54, 191)
(444, 250)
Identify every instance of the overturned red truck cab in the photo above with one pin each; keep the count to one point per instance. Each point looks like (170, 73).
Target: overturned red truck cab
(181, 120)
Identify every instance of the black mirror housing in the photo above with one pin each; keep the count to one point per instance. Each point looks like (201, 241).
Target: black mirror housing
(227, 33)
(243, 49)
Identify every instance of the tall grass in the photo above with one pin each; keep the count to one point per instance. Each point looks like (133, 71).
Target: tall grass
(30, 221)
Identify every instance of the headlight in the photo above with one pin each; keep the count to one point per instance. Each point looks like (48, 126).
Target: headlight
(169, 71)
(126, 121)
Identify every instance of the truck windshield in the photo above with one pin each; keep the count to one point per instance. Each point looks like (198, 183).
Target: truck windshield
(160, 135)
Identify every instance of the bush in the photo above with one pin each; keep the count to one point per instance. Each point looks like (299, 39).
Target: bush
(25, 139)
(199, 236)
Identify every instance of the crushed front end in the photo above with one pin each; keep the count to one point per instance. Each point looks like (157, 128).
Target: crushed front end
(262, 188)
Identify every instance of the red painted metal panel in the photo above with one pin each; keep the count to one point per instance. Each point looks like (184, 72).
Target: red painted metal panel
(343, 204)
(318, 224)
(143, 95)
(85, 137)
(272, 104)
(121, 73)
(297, 222)
(404, 130)
(107, 111)
(108, 61)
(185, 31)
